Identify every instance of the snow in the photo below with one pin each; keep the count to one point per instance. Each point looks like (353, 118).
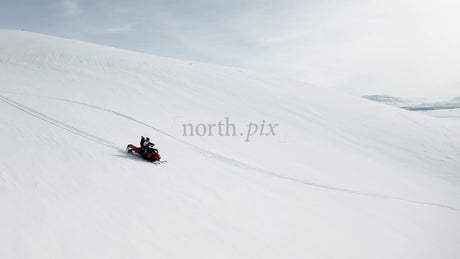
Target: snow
(344, 177)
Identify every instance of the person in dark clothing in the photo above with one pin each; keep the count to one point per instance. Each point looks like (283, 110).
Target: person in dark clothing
(145, 143)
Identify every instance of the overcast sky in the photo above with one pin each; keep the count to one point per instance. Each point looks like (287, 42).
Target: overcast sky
(399, 47)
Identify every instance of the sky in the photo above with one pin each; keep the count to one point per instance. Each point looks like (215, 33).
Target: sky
(407, 48)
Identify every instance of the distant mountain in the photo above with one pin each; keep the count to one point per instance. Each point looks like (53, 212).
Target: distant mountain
(390, 100)
(416, 104)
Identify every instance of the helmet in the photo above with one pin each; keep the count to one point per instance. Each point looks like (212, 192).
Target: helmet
(147, 139)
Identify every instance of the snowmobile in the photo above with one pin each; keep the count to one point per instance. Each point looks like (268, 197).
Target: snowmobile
(149, 153)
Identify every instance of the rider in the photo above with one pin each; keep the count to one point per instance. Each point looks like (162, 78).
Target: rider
(145, 142)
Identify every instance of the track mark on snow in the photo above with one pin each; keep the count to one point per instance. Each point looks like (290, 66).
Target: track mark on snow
(240, 164)
(56, 123)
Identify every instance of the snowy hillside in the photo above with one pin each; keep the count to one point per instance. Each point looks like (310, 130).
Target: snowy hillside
(331, 176)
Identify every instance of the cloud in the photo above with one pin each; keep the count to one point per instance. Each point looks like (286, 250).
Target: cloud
(398, 47)
(119, 29)
(282, 38)
(71, 8)
(359, 46)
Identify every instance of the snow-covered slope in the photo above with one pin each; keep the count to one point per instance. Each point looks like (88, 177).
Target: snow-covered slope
(343, 177)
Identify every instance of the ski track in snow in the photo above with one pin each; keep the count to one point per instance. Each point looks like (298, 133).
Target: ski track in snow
(207, 153)
(56, 123)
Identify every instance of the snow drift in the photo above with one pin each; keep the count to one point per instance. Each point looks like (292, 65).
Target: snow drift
(342, 177)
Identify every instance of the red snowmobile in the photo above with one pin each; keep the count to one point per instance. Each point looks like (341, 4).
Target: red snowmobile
(149, 153)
